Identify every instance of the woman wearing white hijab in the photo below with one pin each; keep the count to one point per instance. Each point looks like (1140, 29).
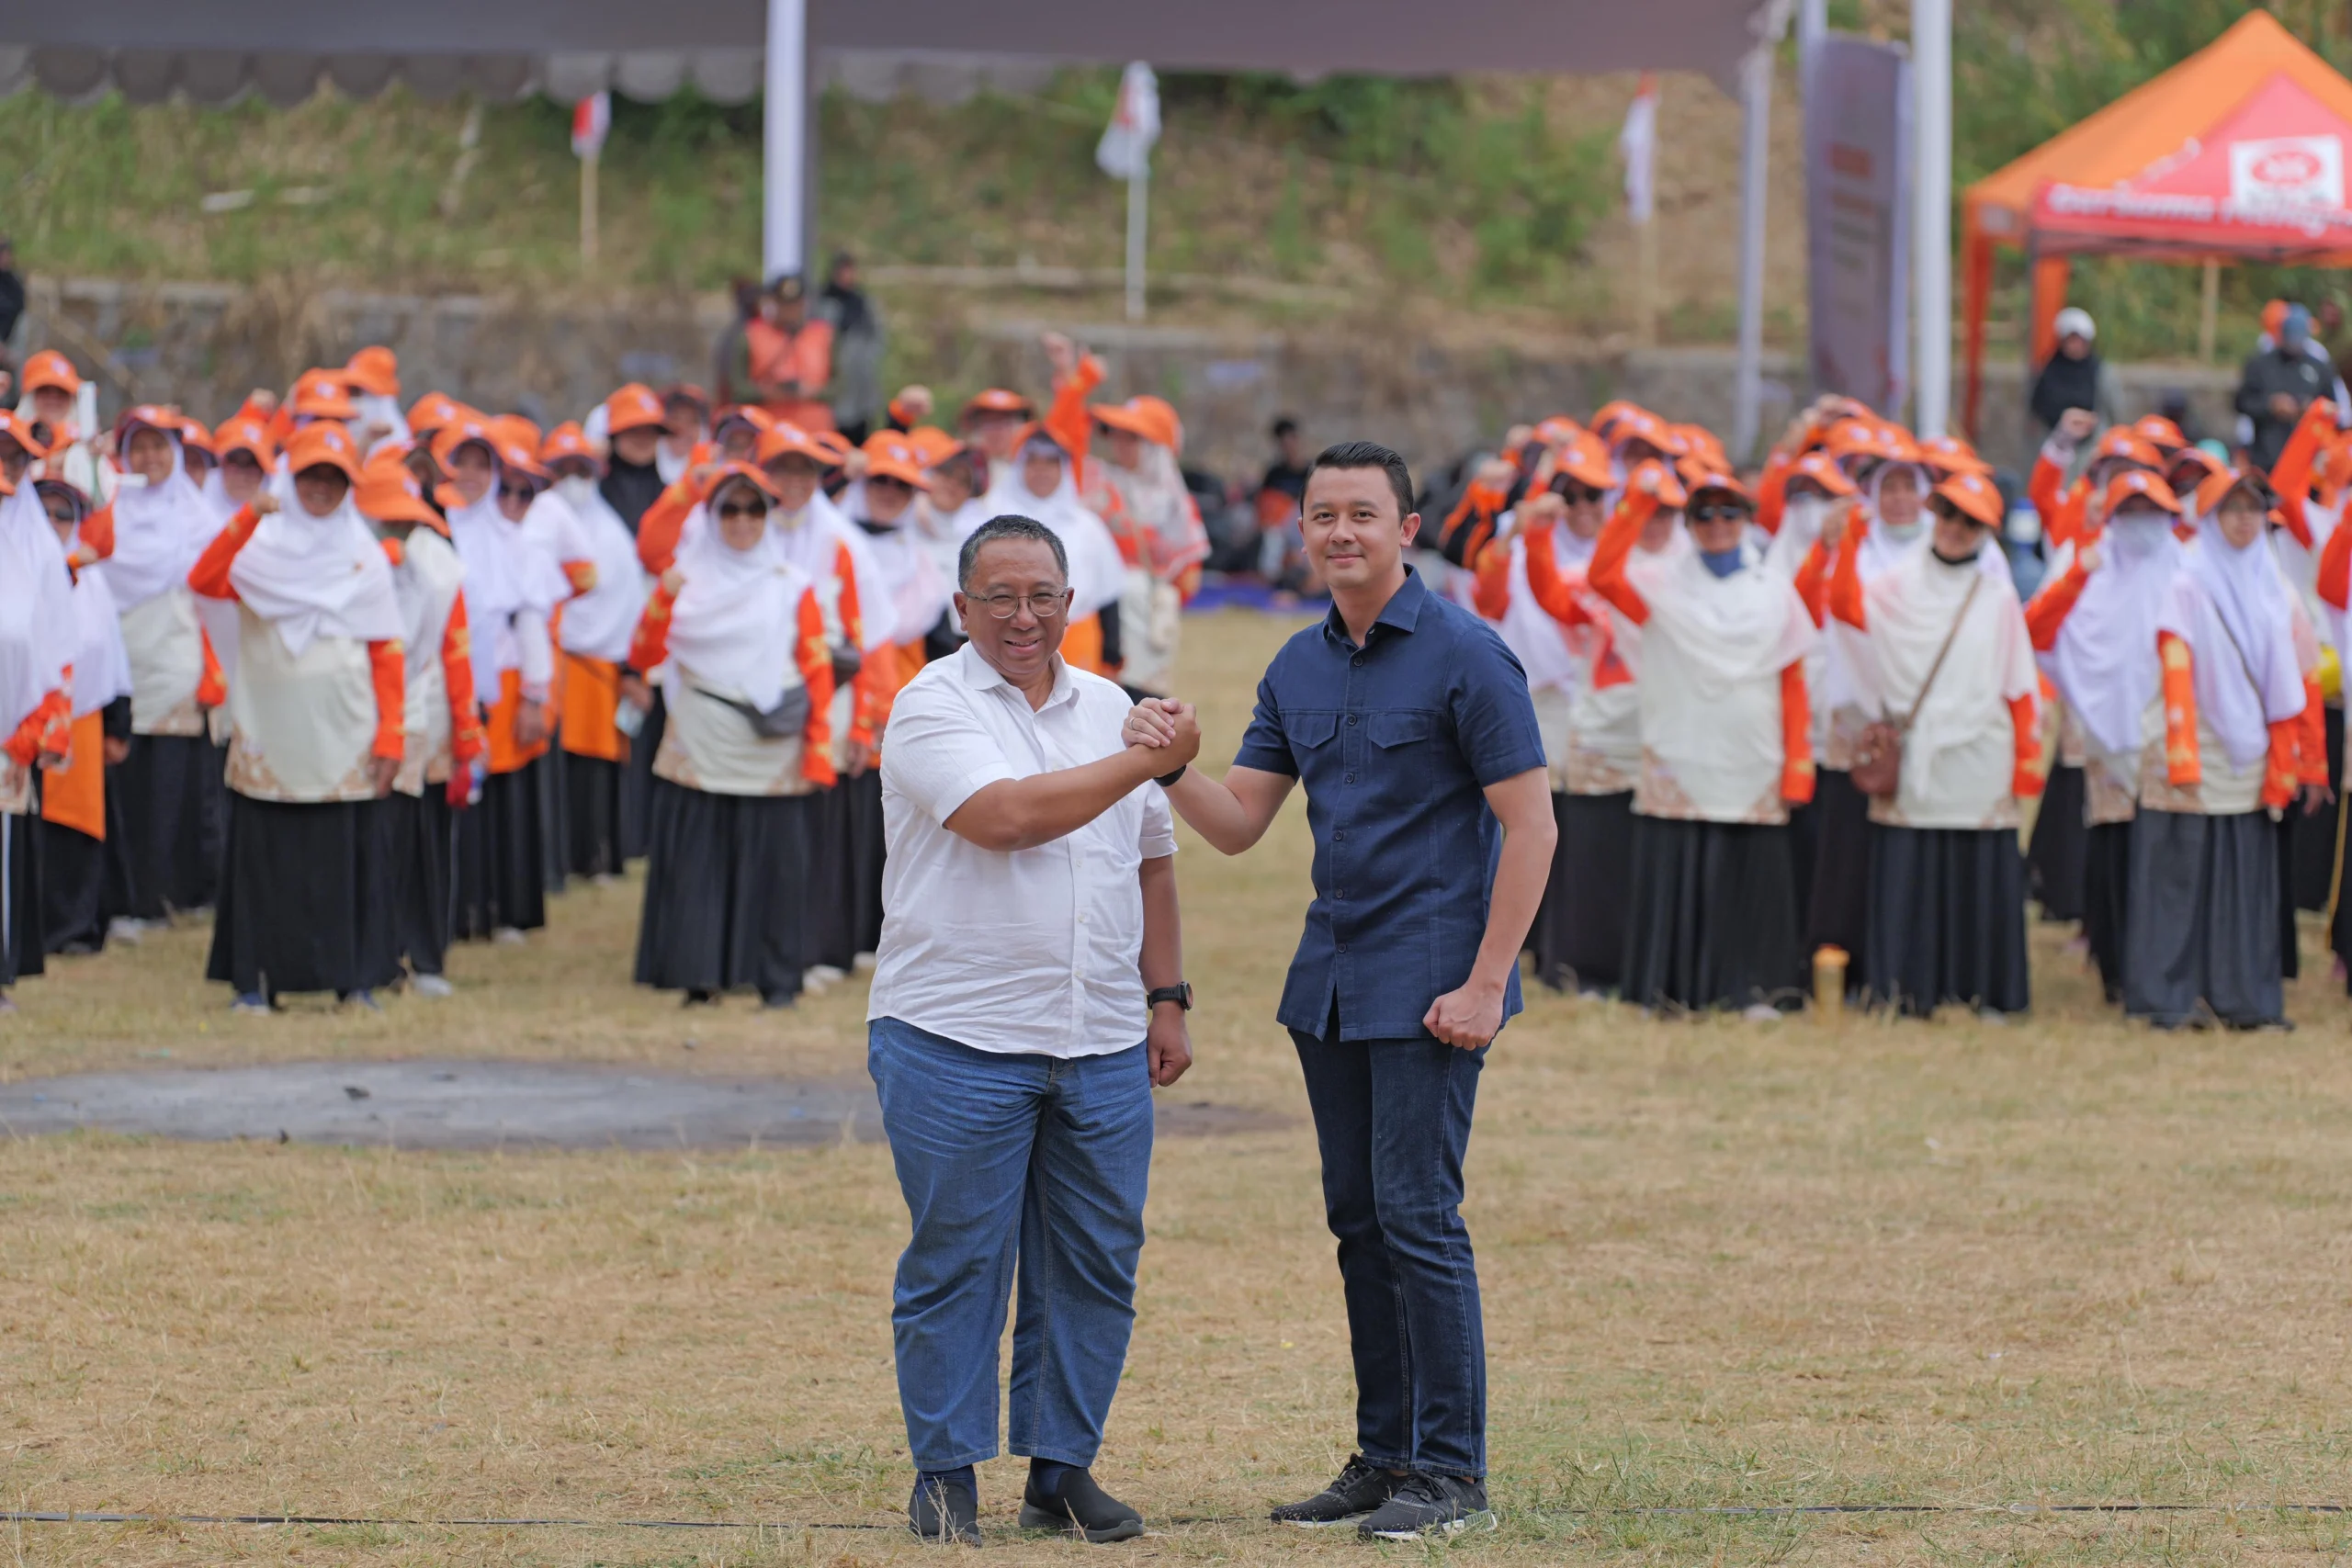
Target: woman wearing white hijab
(1138, 470)
(2094, 629)
(2228, 755)
(37, 640)
(1726, 750)
(735, 636)
(174, 809)
(317, 731)
(1038, 486)
(1944, 657)
(81, 806)
(610, 585)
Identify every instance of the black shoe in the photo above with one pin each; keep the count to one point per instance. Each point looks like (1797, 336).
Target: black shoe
(944, 1512)
(1430, 1506)
(1079, 1508)
(1360, 1489)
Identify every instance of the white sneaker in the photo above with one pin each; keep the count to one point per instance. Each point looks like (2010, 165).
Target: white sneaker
(823, 975)
(511, 935)
(1761, 1012)
(864, 963)
(126, 929)
(430, 985)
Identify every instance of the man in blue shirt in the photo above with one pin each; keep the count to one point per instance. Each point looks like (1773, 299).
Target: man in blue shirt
(1410, 725)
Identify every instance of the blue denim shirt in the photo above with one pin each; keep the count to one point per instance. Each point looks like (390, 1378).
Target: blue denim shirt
(1395, 742)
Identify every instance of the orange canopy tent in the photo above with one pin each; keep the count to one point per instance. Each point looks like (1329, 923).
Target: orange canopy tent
(2238, 152)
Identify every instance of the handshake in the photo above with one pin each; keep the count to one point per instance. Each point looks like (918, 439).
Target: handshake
(1167, 727)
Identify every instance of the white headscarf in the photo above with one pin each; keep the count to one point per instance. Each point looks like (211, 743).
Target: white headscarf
(1912, 609)
(599, 624)
(2231, 607)
(1540, 643)
(737, 620)
(1729, 629)
(313, 577)
(919, 593)
(493, 587)
(159, 530)
(1098, 573)
(2104, 662)
(37, 618)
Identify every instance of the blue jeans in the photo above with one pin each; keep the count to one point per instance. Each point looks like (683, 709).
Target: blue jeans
(1003, 1156)
(1392, 1121)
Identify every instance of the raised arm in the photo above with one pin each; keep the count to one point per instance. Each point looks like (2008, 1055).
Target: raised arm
(1606, 573)
(209, 576)
(1846, 600)
(2291, 475)
(1556, 591)
(1020, 814)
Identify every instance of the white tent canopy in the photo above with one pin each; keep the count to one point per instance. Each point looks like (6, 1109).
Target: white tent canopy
(216, 49)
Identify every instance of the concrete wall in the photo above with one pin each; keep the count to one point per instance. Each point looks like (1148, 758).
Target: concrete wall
(203, 345)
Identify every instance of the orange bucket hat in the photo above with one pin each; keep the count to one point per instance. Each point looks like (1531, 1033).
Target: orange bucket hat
(323, 446)
(634, 407)
(375, 371)
(890, 456)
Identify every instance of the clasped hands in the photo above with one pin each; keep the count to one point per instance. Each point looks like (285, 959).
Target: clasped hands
(1164, 724)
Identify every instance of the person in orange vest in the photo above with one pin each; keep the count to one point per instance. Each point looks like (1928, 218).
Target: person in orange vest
(788, 357)
(75, 800)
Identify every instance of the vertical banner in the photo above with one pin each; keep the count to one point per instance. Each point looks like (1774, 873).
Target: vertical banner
(1858, 135)
(1125, 153)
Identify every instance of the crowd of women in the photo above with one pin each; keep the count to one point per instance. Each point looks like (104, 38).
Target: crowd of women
(1795, 722)
(366, 677)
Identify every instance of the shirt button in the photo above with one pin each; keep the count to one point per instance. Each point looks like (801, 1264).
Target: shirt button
(1351, 718)
(1352, 778)
(1343, 947)
(1357, 661)
(1340, 835)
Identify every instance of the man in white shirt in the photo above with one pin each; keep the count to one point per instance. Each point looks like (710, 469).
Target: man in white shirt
(1030, 927)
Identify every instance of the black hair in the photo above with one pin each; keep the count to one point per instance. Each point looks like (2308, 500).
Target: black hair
(1283, 426)
(1008, 526)
(1369, 455)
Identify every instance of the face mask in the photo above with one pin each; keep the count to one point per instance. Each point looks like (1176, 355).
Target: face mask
(132, 481)
(576, 489)
(1807, 513)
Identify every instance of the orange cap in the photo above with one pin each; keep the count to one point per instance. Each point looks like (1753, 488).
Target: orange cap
(758, 418)
(1582, 458)
(514, 430)
(1975, 497)
(2159, 432)
(997, 399)
(193, 434)
(318, 394)
(435, 411)
(566, 440)
(1653, 478)
(1609, 415)
(782, 439)
(245, 433)
(51, 370)
(1823, 470)
(375, 370)
(153, 416)
(933, 444)
(2140, 482)
(1166, 429)
(1121, 416)
(2120, 441)
(2190, 467)
(833, 445)
(389, 494)
(468, 430)
(891, 455)
(1556, 430)
(522, 458)
(1871, 438)
(634, 407)
(726, 471)
(1951, 455)
(20, 431)
(1640, 424)
(2218, 484)
(1707, 480)
(685, 392)
(323, 446)
(1699, 442)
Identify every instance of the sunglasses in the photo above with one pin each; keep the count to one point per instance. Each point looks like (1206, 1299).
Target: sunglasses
(514, 492)
(885, 482)
(732, 509)
(1717, 511)
(1577, 494)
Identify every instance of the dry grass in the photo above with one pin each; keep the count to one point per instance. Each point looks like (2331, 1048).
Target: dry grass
(1724, 1266)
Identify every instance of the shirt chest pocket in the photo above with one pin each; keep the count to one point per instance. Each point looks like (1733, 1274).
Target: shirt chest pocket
(1404, 742)
(1306, 731)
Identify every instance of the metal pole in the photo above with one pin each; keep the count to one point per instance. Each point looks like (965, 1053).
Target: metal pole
(783, 237)
(1931, 209)
(1755, 146)
(1813, 26)
(2208, 313)
(1139, 218)
(588, 210)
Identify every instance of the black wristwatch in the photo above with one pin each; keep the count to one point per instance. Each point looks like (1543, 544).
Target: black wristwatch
(1168, 780)
(1181, 993)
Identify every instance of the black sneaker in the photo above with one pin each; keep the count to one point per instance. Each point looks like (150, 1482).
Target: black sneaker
(944, 1513)
(1430, 1506)
(1360, 1488)
(1079, 1508)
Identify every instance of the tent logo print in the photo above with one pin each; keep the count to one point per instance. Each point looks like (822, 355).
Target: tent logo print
(2297, 172)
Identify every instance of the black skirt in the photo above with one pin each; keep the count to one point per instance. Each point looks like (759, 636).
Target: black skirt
(726, 888)
(2288, 833)
(419, 852)
(74, 889)
(306, 903)
(2056, 859)
(1578, 938)
(637, 781)
(2107, 900)
(1712, 920)
(592, 814)
(844, 915)
(554, 766)
(175, 815)
(1837, 912)
(500, 844)
(2204, 921)
(21, 938)
(1947, 920)
(2312, 869)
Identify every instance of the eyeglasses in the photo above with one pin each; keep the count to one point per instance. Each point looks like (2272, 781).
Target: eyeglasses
(514, 492)
(727, 509)
(1044, 607)
(1717, 513)
(1578, 495)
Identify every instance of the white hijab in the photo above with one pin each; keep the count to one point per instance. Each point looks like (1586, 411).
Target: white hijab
(2104, 662)
(485, 545)
(313, 577)
(1729, 630)
(1911, 610)
(1098, 573)
(599, 624)
(37, 618)
(919, 593)
(1540, 643)
(2231, 607)
(736, 623)
(159, 530)
(101, 665)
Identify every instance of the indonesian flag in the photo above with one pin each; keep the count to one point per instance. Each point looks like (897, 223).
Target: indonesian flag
(1125, 152)
(590, 118)
(1637, 144)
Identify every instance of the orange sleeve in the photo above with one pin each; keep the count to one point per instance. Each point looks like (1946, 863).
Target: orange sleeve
(2310, 737)
(98, 531)
(582, 575)
(1813, 582)
(2183, 766)
(658, 530)
(1606, 573)
(2335, 585)
(49, 728)
(2291, 476)
(212, 687)
(817, 673)
(1471, 520)
(648, 648)
(390, 666)
(209, 576)
(1773, 490)
(467, 737)
(2042, 489)
(2278, 775)
(1066, 419)
(2049, 608)
(864, 684)
(1555, 591)
(1846, 600)
(1796, 735)
(1490, 593)
(2025, 721)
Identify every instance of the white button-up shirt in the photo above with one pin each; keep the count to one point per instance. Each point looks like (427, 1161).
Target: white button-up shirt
(1028, 951)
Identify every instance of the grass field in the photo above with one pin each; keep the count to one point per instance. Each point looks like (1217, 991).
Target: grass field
(1725, 1266)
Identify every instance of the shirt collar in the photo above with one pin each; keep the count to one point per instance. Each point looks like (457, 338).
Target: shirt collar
(1401, 614)
(983, 676)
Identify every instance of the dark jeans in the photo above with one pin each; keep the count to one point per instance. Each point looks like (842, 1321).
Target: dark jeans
(1392, 1119)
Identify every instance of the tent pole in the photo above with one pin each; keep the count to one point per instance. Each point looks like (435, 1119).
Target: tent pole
(1755, 151)
(2209, 310)
(783, 237)
(1931, 209)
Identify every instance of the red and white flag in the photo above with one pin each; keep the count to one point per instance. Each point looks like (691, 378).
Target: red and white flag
(1125, 152)
(1637, 144)
(590, 118)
